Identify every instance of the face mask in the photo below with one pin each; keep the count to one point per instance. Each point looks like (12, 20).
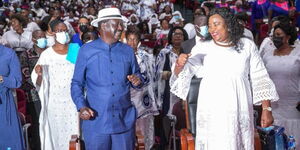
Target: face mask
(176, 17)
(18, 9)
(278, 41)
(1, 26)
(62, 37)
(83, 28)
(42, 42)
(204, 31)
(271, 32)
(88, 41)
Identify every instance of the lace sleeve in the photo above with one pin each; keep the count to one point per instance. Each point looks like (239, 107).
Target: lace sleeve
(263, 87)
(180, 84)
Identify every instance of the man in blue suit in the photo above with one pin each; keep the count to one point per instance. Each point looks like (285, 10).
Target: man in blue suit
(107, 69)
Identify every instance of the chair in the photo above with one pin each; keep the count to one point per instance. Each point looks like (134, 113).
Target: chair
(187, 135)
(21, 103)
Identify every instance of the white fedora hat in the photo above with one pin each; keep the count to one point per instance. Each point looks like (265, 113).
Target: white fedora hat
(105, 14)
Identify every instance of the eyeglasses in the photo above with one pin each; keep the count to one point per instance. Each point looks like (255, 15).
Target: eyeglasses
(177, 33)
(57, 31)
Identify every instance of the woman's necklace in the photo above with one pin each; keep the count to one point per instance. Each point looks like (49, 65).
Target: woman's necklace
(224, 44)
(176, 50)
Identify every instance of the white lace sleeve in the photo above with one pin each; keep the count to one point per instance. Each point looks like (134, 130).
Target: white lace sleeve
(180, 84)
(263, 87)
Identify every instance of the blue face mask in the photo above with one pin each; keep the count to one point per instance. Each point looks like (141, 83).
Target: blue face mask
(42, 42)
(18, 9)
(203, 30)
(176, 17)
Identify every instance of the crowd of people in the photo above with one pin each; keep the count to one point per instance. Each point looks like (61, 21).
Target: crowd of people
(117, 70)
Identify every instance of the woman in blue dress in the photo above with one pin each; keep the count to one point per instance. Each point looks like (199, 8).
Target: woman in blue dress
(10, 77)
(259, 12)
(278, 8)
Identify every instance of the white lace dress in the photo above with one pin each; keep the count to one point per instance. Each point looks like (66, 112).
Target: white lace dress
(58, 118)
(225, 101)
(285, 72)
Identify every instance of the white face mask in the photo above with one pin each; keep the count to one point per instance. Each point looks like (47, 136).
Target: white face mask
(271, 32)
(88, 41)
(62, 37)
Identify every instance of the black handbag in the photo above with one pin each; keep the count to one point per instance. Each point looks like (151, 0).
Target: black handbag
(273, 138)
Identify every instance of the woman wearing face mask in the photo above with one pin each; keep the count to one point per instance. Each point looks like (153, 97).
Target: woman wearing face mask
(53, 74)
(267, 43)
(283, 65)
(233, 79)
(82, 28)
(28, 59)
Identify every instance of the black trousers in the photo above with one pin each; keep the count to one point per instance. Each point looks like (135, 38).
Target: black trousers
(33, 110)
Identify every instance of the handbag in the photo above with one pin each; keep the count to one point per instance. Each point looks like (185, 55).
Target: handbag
(273, 138)
(76, 142)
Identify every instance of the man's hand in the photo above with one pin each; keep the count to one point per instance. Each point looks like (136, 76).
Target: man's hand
(86, 113)
(38, 70)
(181, 61)
(135, 80)
(266, 118)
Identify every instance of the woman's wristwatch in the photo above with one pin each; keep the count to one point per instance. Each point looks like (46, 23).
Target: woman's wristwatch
(267, 108)
(1, 79)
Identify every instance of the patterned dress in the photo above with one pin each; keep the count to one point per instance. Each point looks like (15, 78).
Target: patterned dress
(161, 84)
(144, 99)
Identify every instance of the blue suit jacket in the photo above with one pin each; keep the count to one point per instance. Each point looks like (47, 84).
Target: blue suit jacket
(102, 70)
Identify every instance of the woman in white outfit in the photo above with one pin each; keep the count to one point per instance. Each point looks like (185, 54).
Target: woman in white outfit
(283, 65)
(233, 79)
(52, 76)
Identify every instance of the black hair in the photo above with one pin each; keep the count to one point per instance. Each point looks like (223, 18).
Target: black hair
(281, 19)
(2, 20)
(209, 5)
(133, 30)
(242, 16)
(21, 19)
(164, 10)
(54, 23)
(141, 26)
(185, 35)
(86, 36)
(202, 9)
(289, 30)
(44, 23)
(235, 30)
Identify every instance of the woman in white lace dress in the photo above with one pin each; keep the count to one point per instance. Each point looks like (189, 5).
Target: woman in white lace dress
(52, 76)
(283, 65)
(233, 79)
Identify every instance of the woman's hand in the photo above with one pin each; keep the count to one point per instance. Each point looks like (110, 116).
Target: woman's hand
(166, 75)
(86, 113)
(38, 70)
(181, 61)
(266, 119)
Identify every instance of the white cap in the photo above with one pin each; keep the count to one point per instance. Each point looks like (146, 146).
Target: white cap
(106, 14)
